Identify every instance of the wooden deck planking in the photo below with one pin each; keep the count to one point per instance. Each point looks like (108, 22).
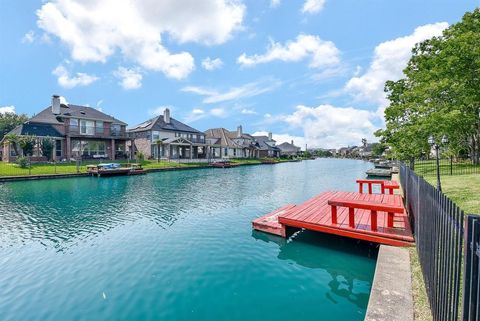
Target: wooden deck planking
(315, 214)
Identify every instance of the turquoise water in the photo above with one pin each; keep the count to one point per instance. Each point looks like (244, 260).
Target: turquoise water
(178, 246)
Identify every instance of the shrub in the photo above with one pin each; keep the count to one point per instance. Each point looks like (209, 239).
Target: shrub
(140, 156)
(22, 162)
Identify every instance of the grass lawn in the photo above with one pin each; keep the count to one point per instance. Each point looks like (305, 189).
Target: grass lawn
(11, 169)
(464, 190)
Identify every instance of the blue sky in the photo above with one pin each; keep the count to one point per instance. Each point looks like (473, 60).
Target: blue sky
(308, 70)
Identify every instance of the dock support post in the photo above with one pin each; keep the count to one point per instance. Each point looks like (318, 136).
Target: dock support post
(390, 220)
(334, 215)
(373, 219)
(351, 217)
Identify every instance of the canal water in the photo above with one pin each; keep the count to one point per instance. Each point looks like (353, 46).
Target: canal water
(178, 246)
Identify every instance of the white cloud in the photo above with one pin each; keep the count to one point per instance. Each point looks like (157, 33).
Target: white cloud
(329, 126)
(129, 78)
(313, 6)
(321, 53)
(159, 110)
(29, 37)
(218, 112)
(194, 115)
(66, 81)
(212, 64)
(248, 111)
(7, 109)
(96, 30)
(389, 60)
(236, 93)
(298, 141)
(274, 3)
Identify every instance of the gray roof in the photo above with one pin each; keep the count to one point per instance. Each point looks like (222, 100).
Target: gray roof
(222, 136)
(73, 111)
(36, 129)
(157, 123)
(262, 142)
(287, 147)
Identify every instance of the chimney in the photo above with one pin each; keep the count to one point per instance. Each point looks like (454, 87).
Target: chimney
(56, 104)
(270, 136)
(166, 115)
(239, 131)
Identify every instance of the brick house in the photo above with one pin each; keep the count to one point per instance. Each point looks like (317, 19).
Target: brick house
(267, 147)
(166, 137)
(231, 144)
(80, 132)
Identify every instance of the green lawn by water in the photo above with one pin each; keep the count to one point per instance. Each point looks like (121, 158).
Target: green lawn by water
(12, 169)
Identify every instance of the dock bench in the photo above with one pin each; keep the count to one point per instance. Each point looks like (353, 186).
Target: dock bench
(384, 185)
(374, 207)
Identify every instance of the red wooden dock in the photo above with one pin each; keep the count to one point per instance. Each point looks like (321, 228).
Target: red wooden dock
(316, 214)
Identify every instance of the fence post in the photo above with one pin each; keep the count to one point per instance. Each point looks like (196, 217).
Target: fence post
(29, 165)
(451, 165)
(471, 266)
(78, 166)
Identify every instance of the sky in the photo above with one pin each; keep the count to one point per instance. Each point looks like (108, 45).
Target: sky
(312, 71)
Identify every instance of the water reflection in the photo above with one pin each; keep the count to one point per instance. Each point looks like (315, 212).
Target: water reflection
(320, 251)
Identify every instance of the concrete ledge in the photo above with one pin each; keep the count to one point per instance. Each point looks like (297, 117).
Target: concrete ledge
(391, 295)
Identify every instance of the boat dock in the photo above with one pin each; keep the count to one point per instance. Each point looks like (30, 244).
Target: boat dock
(379, 218)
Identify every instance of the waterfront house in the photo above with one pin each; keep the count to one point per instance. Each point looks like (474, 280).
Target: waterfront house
(289, 149)
(165, 137)
(79, 132)
(250, 147)
(223, 144)
(266, 145)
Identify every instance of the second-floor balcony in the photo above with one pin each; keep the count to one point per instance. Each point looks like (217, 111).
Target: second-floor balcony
(96, 131)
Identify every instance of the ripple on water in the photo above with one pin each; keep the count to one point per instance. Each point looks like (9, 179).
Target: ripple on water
(177, 246)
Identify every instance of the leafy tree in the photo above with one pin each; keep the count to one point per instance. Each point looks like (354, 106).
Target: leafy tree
(364, 142)
(47, 145)
(9, 121)
(440, 94)
(378, 149)
(159, 143)
(27, 143)
(13, 140)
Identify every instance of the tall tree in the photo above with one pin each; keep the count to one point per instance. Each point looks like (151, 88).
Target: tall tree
(440, 94)
(9, 121)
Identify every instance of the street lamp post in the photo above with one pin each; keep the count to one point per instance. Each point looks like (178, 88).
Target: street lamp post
(432, 143)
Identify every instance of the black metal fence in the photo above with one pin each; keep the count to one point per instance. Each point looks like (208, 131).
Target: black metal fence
(438, 226)
(448, 166)
(471, 292)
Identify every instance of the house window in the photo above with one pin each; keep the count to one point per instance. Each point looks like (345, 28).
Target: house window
(58, 148)
(99, 127)
(87, 127)
(234, 152)
(155, 135)
(225, 151)
(115, 129)
(88, 147)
